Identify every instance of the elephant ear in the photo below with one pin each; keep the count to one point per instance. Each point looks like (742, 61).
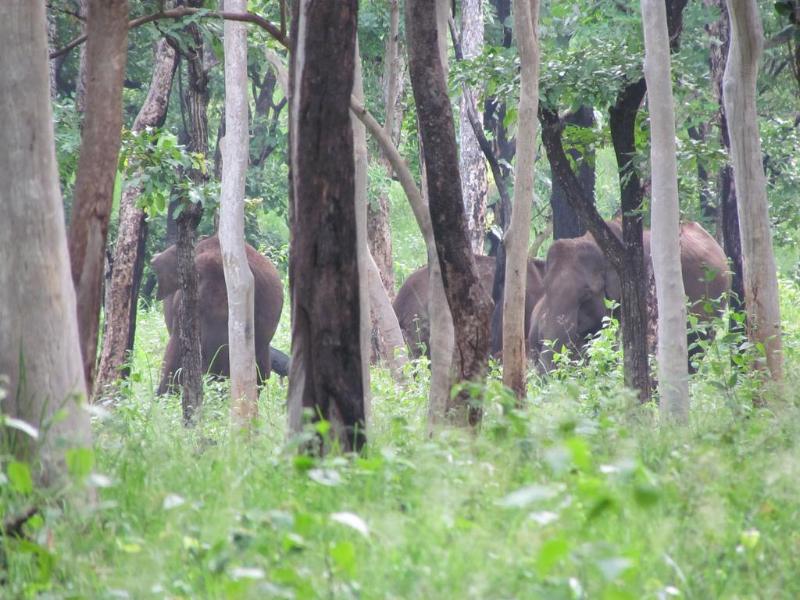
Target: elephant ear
(613, 288)
(165, 266)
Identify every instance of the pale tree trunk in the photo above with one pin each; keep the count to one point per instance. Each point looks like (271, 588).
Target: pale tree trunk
(526, 18)
(385, 321)
(39, 347)
(120, 308)
(673, 376)
(325, 377)
(239, 281)
(471, 162)
(106, 55)
(380, 235)
(468, 301)
(360, 158)
(727, 214)
(760, 276)
(442, 335)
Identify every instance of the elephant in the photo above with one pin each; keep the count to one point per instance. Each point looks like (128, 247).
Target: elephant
(579, 277)
(213, 308)
(411, 303)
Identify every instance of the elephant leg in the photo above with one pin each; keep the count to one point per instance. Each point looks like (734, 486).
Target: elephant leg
(263, 363)
(171, 365)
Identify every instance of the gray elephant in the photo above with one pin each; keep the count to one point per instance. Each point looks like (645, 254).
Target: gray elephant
(411, 303)
(579, 277)
(213, 307)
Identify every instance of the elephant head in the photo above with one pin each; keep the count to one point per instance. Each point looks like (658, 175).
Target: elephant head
(577, 280)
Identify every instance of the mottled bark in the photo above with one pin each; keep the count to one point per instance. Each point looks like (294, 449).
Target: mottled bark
(39, 346)
(106, 56)
(325, 376)
(466, 297)
(239, 281)
(673, 375)
(188, 323)
(128, 263)
(471, 162)
(80, 82)
(739, 95)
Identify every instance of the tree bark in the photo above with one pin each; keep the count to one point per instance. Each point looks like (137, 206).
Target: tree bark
(739, 91)
(128, 260)
(673, 375)
(466, 297)
(526, 18)
(385, 322)
(471, 162)
(325, 376)
(80, 82)
(239, 282)
(39, 344)
(632, 272)
(360, 162)
(566, 223)
(719, 32)
(188, 322)
(106, 55)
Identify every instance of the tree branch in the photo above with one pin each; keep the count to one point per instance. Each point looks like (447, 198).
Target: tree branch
(576, 197)
(184, 11)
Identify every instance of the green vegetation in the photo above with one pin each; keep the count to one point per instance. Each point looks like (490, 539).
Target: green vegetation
(571, 497)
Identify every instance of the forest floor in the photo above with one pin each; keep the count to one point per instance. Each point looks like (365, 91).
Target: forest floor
(574, 496)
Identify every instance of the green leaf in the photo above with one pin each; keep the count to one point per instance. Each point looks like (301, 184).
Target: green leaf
(550, 554)
(80, 462)
(344, 557)
(19, 474)
(581, 455)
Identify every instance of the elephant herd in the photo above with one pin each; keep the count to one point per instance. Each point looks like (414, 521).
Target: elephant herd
(564, 299)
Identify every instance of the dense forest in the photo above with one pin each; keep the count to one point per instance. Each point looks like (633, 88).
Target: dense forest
(393, 299)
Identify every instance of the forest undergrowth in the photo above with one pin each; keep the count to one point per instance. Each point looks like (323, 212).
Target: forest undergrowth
(572, 496)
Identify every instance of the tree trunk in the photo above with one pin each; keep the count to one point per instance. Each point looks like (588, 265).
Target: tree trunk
(471, 162)
(466, 297)
(39, 344)
(326, 377)
(360, 162)
(188, 322)
(673, 375)
(566, 223)
(52, 37)
(526, 18)
(760, 276)
(106, 55)
(441, 319)
(393, 72)
(719, 31)
(632, 272)
(239, 282)
(82, 78)
(385, 322)
(128, 262)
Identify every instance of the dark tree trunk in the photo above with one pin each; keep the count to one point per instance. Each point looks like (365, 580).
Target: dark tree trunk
(186, 224)
(128, 263)
(566, 223)
(632, 274)
(106, 54)
(469, 303)
(326, 369)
